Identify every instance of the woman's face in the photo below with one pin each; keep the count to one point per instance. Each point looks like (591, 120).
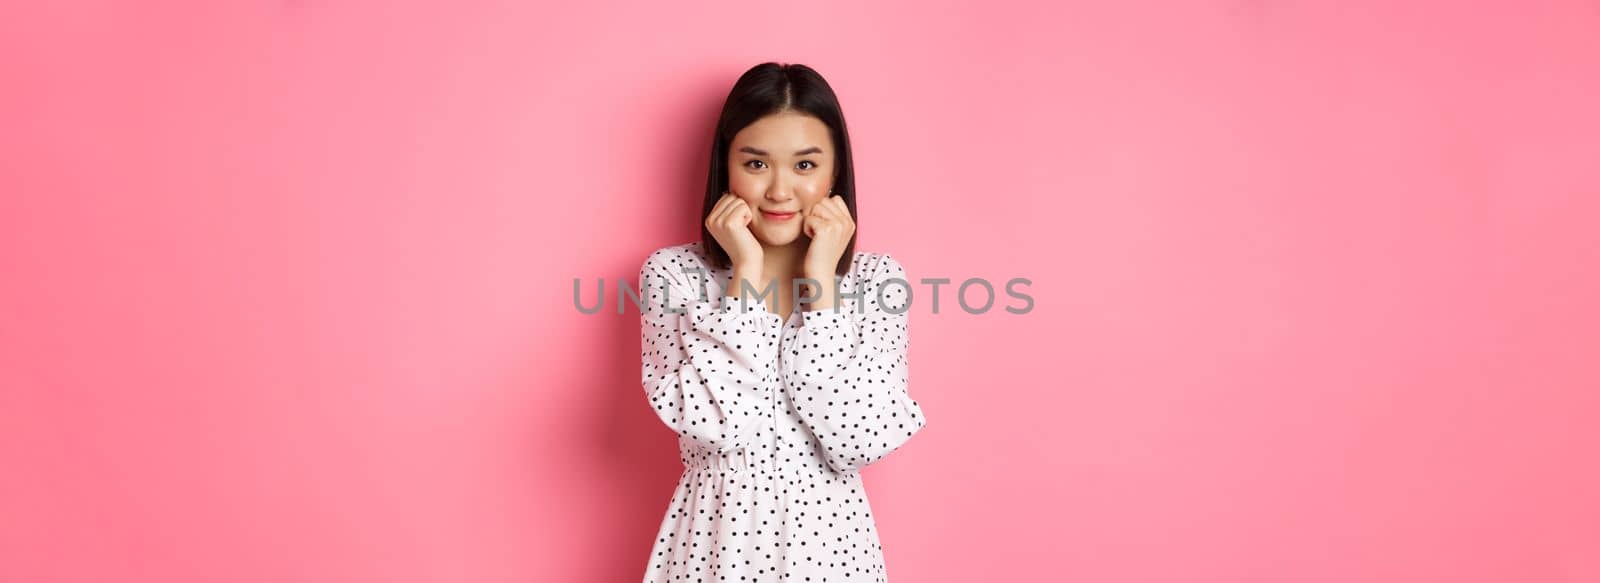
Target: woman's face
(782, 163)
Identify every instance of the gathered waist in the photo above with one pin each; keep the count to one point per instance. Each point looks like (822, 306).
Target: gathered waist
(743, 460)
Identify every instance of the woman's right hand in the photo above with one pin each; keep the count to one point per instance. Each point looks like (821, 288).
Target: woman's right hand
(729, 224)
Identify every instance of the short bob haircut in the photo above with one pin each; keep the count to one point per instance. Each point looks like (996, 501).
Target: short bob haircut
(763, 90)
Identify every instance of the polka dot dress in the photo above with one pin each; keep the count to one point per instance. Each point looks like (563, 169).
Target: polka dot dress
(774, 420)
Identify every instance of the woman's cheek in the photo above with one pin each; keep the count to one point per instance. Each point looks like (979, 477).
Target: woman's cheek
(747, 189)
(811, 193)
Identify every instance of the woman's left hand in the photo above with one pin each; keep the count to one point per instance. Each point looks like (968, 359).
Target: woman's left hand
(830, 227)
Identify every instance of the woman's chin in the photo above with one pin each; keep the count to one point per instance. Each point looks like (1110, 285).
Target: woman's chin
(779, 239)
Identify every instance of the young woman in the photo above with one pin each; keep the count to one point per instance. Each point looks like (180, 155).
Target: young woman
(777, 401)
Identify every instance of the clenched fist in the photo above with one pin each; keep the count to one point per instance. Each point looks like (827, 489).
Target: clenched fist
(830, 227)
(729, 224)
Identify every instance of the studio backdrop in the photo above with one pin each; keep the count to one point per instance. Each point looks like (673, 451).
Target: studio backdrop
(287, 289)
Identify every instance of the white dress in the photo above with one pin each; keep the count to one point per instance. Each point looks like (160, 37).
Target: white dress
(774, 419)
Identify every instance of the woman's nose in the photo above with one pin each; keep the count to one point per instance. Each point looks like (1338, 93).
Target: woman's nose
(778, 194)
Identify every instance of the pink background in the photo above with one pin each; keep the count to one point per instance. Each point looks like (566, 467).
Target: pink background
(287, 287)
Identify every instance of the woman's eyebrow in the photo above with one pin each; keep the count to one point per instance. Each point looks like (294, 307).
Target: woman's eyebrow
(810, 150)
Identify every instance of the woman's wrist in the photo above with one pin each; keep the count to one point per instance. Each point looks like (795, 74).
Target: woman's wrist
(745, 275)
(825, 292)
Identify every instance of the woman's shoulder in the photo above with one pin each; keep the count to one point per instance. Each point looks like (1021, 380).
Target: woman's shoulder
(875, 265)
(675, 258)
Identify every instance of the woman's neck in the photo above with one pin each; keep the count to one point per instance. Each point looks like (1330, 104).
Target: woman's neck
(784, 262)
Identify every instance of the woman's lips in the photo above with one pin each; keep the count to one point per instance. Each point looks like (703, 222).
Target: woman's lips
(778, 216)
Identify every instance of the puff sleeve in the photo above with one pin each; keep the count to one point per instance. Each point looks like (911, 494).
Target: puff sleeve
(847, 372)
(706, 366)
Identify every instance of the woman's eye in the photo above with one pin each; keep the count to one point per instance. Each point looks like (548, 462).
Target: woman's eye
(747, 164)
(807, 162)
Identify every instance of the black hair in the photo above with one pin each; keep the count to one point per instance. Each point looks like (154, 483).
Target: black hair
(763, 90)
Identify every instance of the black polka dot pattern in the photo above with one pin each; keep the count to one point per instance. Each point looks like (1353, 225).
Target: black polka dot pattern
(774, 419)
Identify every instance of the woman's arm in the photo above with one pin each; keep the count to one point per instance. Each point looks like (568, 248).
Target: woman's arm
(847, 373)
(704, 369)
